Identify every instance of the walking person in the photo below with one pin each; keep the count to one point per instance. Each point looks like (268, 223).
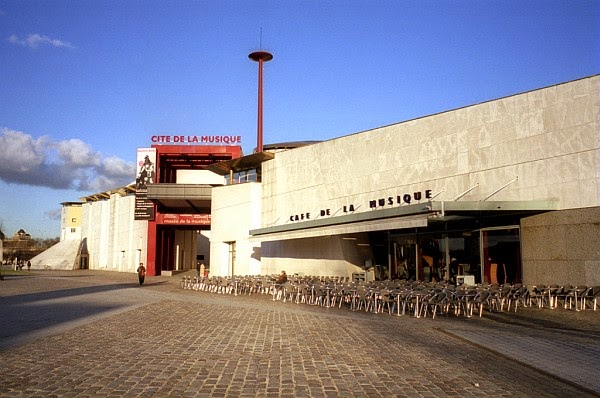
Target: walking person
(141, 270)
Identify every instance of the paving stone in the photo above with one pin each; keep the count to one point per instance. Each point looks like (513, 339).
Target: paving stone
(84, 333)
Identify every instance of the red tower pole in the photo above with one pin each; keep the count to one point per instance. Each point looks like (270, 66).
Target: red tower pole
(261, 57)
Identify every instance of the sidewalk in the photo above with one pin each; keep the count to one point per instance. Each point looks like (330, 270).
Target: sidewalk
(85, 333)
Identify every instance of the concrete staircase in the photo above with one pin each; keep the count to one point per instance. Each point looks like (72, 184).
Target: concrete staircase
(61, 256)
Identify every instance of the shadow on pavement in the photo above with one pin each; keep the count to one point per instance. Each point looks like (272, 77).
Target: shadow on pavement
(23, 314)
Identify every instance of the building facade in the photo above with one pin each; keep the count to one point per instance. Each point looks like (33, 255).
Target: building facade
(502, 191)
(434, 197)
(111, 238)
(163, 219)
(70, 221)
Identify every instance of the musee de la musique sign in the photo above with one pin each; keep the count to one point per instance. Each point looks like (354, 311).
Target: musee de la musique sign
(406, 198)
(196, 139)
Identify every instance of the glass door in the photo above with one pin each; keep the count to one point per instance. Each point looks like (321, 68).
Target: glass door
(501, 255)
(404, 258)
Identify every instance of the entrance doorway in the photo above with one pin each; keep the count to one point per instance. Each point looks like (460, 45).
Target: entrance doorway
(181, 249)
(501, 253)
(231, 258)
(404, 256)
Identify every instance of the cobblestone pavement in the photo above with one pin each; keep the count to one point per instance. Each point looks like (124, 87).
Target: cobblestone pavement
(91, 333)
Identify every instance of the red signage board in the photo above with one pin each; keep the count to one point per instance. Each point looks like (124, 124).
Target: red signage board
(196, 139)
(183, 219)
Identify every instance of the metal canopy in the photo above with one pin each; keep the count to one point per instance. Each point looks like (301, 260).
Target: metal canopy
(244, 163)
(451, 210)
(355, 222)
(409, 216)
(184, 198)
(363, 226)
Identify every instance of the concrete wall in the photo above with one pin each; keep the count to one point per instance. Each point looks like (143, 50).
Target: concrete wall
(115, 240)
(199, 177)
(185, 249)
(547, 138)
(562, 247)
(235, 210)
(330, 256)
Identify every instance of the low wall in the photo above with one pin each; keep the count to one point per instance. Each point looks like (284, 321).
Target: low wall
(562, 247)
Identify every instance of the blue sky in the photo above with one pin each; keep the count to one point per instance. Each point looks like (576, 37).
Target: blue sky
(83, 84)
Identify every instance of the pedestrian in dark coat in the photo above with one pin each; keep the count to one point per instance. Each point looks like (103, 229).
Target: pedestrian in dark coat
(141, 273)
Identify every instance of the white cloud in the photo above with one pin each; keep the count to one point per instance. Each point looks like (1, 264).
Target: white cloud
(20, 152)
(77, 152)
(68, 164)
(34, 40)
(115, 166)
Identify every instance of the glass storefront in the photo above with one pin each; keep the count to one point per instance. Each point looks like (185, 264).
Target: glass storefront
(490, 255)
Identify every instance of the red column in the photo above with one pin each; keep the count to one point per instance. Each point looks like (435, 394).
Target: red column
(259, 129)
(261, 57)
(151, 249)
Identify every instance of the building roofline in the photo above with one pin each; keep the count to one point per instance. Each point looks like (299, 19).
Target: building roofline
(465, 106)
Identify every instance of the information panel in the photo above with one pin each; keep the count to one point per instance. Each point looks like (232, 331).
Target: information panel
(146, 174)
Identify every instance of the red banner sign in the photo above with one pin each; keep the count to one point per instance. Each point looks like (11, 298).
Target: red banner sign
(183, 219)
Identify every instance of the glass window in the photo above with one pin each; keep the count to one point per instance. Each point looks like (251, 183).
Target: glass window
(501, 253)
(244, 176)
(430, 258)
(463, 256)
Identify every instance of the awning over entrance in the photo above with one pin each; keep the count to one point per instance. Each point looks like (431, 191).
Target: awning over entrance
(182, 198)
(364, 226)
(453, 210)
(397, 218)
(376, 220)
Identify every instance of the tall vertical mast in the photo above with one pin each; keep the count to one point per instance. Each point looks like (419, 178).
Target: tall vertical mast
(261, 57)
